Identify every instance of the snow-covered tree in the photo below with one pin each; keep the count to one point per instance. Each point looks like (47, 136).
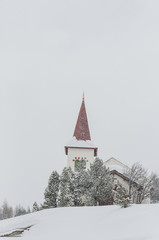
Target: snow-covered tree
(28, 210)
(65, 195)
(51, 192)
(155, 191)
(87, 189)
(35, 207)
(7, 211)
(121, 198)
(141, 183)
(100, 185)
(1, 214)
(19, 210)
(134, 174)
(146, 185)
(76, 187)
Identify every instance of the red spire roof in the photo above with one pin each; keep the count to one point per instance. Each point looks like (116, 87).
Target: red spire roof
(81, 133)
(82, 129)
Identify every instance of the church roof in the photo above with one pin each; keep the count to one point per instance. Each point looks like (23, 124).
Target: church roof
(82, 129)
(80, 143)
(74, 143)
(81, 137)
(117, 167)
(115, 164)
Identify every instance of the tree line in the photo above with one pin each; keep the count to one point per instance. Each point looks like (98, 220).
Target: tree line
(92, 187)
(80, 188)
(95, 186)
(7, 211)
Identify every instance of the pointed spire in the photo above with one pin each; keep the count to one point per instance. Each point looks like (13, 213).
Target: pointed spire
(83, 97)
(82, 129)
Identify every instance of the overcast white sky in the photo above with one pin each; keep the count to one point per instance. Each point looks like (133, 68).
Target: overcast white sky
(52, 51)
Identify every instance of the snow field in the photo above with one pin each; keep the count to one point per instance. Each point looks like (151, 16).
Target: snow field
(138, 222)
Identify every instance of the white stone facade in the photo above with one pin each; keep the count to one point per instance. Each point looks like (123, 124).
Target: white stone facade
(79, 153)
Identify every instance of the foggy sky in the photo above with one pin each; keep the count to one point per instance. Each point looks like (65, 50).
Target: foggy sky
(52, 51)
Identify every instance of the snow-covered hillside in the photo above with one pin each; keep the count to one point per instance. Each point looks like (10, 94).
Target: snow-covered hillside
(138, 222)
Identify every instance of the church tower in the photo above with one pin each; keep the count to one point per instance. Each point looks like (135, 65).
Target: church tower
(81, 148)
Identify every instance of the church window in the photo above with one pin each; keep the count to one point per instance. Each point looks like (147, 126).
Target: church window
(77, 164)
(80, 163)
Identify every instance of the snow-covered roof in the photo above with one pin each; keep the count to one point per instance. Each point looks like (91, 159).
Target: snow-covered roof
(114, 164)
(80, 143)
(117, 168)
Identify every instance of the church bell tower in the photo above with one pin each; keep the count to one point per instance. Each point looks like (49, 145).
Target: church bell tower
(81, 148)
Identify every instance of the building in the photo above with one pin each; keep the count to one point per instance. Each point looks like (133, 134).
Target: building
(80, 148)
(118, 170)
(119, 173)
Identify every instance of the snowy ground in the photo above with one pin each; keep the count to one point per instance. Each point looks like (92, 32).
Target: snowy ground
(138, 222)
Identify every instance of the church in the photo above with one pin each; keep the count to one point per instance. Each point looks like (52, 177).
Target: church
(81, 149)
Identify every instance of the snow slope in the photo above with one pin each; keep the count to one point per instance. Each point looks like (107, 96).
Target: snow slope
(138, 222)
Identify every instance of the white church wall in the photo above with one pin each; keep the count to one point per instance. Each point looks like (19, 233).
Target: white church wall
(114, 164)
(119, 180)
(75, 153)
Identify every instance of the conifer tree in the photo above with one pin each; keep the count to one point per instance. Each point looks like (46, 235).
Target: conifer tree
(35, 207)
(65, 195)
(19, 210)
(121, 198)
(101, 184)
(51, 192)
(7, 211)
(28, 210)
(76, 189)
(78, 185)
(1, 214)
